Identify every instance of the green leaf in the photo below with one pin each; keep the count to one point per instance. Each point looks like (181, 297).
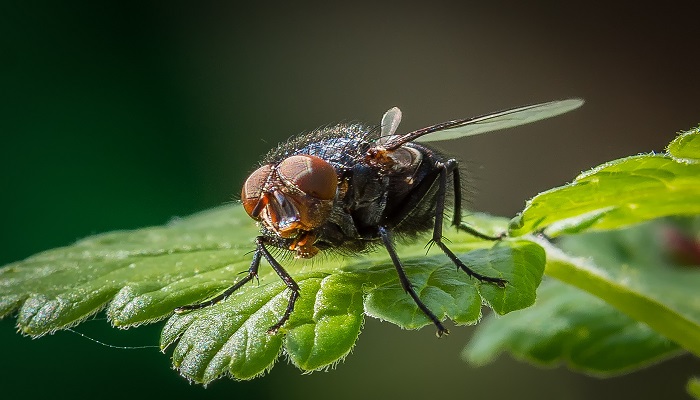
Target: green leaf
(686, 147)
(141, 276)
(632, 270)
(570, 326)
(620, 193)
(693, 387)
(639, 303)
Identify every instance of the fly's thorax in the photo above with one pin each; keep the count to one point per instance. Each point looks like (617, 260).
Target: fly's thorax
(403, 159)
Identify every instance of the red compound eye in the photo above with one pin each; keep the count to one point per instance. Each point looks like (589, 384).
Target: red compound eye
(252, 188)
(310, 174)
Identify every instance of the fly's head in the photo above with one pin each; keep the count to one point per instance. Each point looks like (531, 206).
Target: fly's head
(292, 199)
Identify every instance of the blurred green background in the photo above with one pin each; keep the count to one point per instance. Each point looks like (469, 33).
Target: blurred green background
(121, 115)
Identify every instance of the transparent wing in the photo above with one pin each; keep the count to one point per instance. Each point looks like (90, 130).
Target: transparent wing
(391, 121)
(487, 123)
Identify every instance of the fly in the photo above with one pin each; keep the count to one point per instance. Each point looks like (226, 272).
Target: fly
(349, 188)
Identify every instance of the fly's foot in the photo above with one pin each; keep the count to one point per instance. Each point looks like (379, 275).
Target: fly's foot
(273, 329)
(441, 331)
(500, 282)
(476, 233)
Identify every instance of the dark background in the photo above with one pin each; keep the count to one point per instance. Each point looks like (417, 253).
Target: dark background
(124, 115)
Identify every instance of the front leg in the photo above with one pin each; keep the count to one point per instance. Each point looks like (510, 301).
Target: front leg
(252, 273)
(286, 278)
(260, 251)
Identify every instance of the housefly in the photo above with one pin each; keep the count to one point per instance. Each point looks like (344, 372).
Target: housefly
(350, 188)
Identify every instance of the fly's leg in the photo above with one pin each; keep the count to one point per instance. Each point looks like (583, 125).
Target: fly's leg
(466, 228)
(450, 166)
(424, 187)
(406, 284)
(286, 278)
(260, 251)
(252, 273)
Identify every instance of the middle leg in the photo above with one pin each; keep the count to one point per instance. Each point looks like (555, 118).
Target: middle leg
(406, 284)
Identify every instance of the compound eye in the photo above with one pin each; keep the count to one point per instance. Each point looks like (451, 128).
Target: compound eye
(310, 174)
(252, 189)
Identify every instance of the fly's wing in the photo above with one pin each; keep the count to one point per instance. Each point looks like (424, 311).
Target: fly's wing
(486, 123)
(391, 121)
